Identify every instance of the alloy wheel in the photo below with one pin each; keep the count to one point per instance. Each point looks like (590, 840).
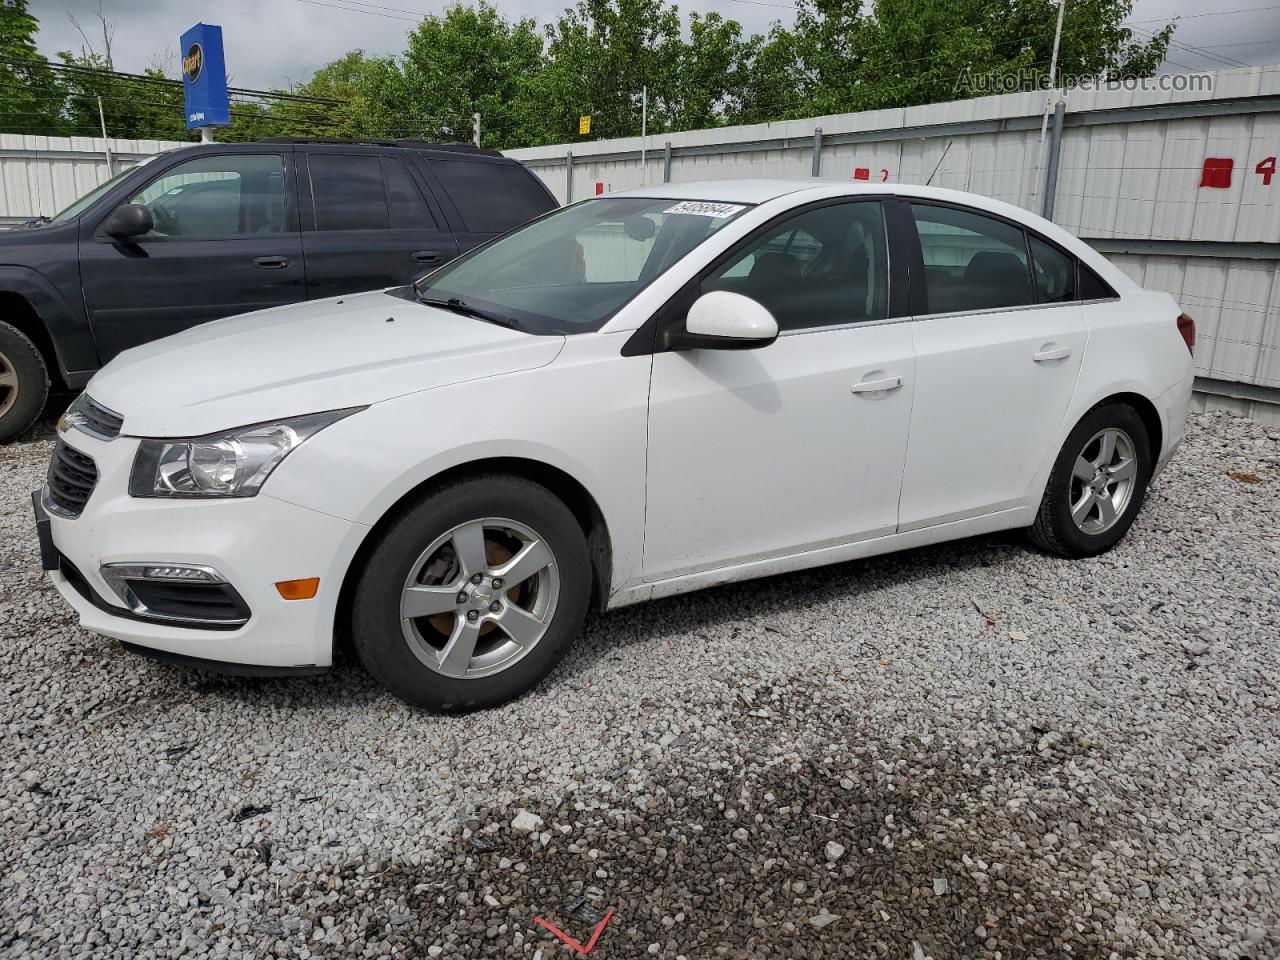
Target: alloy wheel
(479, 598)
(1103, 480)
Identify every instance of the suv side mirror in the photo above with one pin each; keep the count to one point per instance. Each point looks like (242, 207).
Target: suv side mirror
(128, 220)
(721, 320)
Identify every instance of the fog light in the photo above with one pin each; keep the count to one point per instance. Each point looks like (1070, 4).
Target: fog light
(298, 589)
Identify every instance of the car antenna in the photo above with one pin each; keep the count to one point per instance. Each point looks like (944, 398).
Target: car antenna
(939, 163)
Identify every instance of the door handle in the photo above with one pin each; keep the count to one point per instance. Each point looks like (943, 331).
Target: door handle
(876, 386)
(271, 263)
(1049, 352)
(426, 256)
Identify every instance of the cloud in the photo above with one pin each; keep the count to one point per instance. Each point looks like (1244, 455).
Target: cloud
(275, 43)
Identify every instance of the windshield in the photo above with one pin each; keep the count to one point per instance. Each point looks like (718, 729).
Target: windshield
(81, 205)
(572, 270)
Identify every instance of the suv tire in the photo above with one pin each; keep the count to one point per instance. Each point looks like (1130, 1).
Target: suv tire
(1097, 485)
(24, 382)
(472, 593)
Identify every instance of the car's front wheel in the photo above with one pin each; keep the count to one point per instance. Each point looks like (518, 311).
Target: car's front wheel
(1097, 485)
(24, 382)
(472, 593)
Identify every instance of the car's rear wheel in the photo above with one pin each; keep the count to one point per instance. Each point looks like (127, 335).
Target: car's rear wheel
(1097, 485)
(24, 382)
(472, 594)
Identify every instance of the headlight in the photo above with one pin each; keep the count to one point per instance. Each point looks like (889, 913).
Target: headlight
(232, 464)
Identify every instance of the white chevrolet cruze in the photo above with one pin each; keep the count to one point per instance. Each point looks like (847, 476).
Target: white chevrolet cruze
(635, 396)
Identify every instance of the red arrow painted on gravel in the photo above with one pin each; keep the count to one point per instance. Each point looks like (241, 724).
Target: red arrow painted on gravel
(572, 943)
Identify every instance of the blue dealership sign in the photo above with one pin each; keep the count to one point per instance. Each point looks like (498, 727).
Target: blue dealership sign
(204, 77)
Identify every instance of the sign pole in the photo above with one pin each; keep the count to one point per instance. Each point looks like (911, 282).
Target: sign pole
(106, 147)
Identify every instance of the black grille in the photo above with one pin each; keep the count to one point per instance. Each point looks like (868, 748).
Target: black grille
(71, 479)
(99, 420)
(196, 602)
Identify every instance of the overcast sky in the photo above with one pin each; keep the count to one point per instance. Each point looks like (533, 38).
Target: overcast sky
(276, 43)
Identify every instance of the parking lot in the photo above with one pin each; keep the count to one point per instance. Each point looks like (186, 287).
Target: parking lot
(966, 750)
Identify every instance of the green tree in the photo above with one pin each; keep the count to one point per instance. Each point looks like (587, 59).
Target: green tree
(30, 95)
(601, 54)
(907, 52)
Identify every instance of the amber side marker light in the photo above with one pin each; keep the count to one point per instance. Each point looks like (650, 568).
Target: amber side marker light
(298, 589)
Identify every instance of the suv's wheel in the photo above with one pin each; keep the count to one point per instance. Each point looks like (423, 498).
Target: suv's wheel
(1098, 483)
(24, 382)
(472, 594)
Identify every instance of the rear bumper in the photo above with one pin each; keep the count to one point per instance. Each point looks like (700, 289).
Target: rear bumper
(1172, 405)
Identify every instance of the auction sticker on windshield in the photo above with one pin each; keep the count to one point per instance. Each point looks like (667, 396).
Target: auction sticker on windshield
(704, 208)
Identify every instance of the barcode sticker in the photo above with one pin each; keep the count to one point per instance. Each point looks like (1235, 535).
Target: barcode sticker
(704, 208)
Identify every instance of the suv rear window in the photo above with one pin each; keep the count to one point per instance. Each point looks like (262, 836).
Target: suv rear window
(491, 197)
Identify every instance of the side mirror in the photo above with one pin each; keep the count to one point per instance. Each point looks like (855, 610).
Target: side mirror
(721, 320)
(128, 220)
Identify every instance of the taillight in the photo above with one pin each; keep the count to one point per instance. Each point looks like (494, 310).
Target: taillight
(1187, 327)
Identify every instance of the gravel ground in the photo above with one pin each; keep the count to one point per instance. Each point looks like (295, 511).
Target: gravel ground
(965, 751)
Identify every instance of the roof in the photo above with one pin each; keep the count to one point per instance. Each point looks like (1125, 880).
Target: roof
(746, 190)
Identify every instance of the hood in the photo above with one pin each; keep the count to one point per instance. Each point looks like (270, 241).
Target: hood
(304, 358)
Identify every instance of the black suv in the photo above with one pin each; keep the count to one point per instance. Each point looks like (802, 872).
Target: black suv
(214, 229)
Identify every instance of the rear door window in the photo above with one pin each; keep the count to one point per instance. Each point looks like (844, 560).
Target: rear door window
(408, 209)
(348, 192)
(491, 197)
(971, 261)
(1054, 272)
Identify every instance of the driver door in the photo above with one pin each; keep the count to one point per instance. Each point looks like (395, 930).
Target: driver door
(797, 446)
(225, 241)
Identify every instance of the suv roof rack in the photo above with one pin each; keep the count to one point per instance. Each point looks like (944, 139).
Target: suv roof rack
(403, 142)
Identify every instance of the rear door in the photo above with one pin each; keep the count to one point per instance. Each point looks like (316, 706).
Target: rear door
(999, 340)
(486, 196)
(225, 241)
(366, 223)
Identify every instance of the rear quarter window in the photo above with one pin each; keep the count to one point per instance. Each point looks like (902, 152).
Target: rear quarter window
(491, 197)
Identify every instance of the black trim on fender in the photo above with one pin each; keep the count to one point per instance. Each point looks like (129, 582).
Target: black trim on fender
(221, 666)
(80, 585)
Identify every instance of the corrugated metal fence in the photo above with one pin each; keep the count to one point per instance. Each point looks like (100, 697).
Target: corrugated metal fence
(41, 175)
(1131, 167)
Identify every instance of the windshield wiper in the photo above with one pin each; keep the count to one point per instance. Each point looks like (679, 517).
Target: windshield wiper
(462, 307)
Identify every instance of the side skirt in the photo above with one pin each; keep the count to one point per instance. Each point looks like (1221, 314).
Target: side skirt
(937, 533)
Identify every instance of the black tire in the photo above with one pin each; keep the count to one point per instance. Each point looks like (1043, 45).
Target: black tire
(1054, 529)
(376, 628)
(21, 404)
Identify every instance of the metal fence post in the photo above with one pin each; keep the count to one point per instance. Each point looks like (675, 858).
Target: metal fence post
(1055, 150)
(666, 163)
(816, 170)
(568, 177)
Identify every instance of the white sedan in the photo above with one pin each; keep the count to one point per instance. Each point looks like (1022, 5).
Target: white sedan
(641, 394)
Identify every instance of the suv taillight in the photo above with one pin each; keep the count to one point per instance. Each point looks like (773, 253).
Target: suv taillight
(1187, 327)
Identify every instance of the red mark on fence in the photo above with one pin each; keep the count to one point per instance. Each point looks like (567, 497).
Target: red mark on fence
(1266, 169)
(1217, 172)
(884, 175)
(599, 188)
(861, 173)
(579, 948)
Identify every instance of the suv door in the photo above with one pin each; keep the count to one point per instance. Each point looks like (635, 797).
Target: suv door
(999, 342)
(487, 195)
(798, 445)
(225, 241)
(366, 224)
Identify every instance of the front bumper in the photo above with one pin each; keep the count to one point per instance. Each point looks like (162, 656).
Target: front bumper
(254, 542)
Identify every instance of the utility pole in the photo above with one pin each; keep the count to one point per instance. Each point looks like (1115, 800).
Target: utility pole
(644, 134)
(106, 146)
(1048, 100)
(475, 128)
